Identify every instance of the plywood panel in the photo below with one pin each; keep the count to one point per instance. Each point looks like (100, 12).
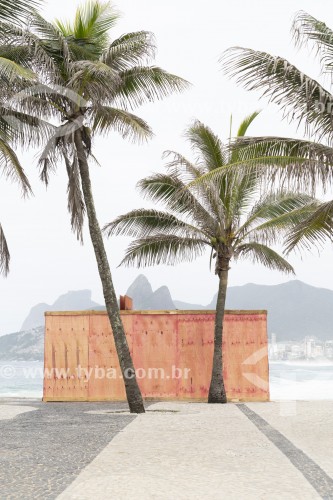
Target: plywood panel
(246, 357)
(155, 354)
(105, 382)
(195, 341)
(66, 358)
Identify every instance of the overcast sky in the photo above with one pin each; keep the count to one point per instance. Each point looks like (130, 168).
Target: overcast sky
(191, 35)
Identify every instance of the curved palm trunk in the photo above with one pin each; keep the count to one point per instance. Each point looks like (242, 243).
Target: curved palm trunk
(217, 392)
(133, 393)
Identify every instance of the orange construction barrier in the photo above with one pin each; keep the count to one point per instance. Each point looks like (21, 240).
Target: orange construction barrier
(172, 352)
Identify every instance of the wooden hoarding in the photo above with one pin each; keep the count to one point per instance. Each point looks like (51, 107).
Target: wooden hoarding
(172, 352)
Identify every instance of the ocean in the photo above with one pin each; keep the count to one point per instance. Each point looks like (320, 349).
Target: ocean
(301, 380)
(289, 381)
(21, 379)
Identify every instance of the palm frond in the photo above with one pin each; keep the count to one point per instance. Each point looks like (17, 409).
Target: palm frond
(238, 195)
(22, 129)
(4, 254)
(300, 97)
(40, 58)
(238, 191)
(307, 29)
(51, 38)
(295, 163)
(210, 156)
(76, 206)
(269, 166)
(206, 145)
(17, 11)
(79, 52)
(11, 167)
(278, 214)
(173, 193)
(243, 128)
(10, 71)
(90, 28)
(143, 222)
(261, 254)
(273, 205)
(60, 147)
(129, 126)
(19, 54)
(309, 164)
(52, 154)
(181, 167)
(94, 80)
(314, 230)
(186, 172)
(162, 249)
(143, 84)
(48, 101)
(130, 50)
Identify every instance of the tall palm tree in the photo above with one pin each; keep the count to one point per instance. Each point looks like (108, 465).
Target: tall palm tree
(303, 163)
(227, 218)
(87, 82)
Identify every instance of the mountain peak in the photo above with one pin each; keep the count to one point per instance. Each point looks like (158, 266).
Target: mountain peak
(74, 300)
(161, 299)
(141, 280)
(146, 299)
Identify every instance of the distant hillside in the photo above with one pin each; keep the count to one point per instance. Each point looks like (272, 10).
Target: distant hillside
(294, 311)
(23, 346)
(70, 301)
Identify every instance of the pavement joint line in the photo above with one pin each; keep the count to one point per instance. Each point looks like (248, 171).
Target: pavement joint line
(313, 473)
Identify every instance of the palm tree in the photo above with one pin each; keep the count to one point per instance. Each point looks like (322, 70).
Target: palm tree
(228, 218)
(87, 83)
(303, 163)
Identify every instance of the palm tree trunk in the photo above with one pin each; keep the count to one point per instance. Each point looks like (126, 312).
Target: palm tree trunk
(133, 393)
(217, 392)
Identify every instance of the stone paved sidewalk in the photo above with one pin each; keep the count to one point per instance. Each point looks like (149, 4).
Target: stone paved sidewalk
(185, 451)
(199, 451)
(43, 447)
